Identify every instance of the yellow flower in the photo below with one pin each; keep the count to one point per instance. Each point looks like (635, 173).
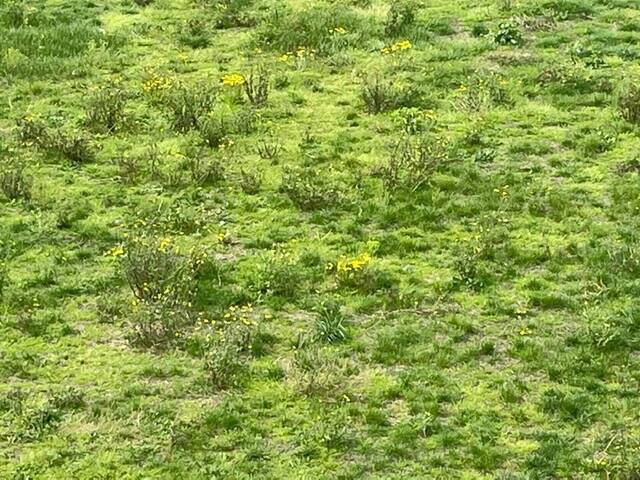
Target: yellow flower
(397, 47)
(233, 80)
(164, 245)
(346, 266)
(116, 251)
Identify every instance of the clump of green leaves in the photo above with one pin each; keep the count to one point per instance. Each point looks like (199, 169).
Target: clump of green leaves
(250, 181)
(309, 188)
(105, 111)
(14, 182)
(204, 169)
(629, 102)
(321, 29)
(400, 18)
(412, 163)
(162, 280)
(268, 148)
(195, 33)
(330, 324)
(256, 87)
(280, 274)
(75, 146)
(189, 105)
(508, 33)
(234, 14)
(377, 94)
(226, 352)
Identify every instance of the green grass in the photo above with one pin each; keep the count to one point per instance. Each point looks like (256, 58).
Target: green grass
(293, 239)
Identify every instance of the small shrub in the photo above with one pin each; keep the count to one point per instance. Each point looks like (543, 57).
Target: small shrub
(163, 282)
(195, 33)
(156, 271)
(629, 102)
(483, 90)
(129, 169)
(205, 170)
(590, 56)
(250, 181)
(280, 275)
(158, 323)
(400, 18)
(479, 30)
(188, 105)
(143, 3)
(508, 33)
(321, 29)
(268, 149)
(15, 184)
(105, 111)
(412, 163)
(71, 211)
(234, 14)
(377, 94)
(355, 272)
(4, 278)
(330, 324)
(214, 131)
(471, 272)
(414, 121)
(309, 189)
(256, 87)
(33, 132)
(226, 350)
(74, 146)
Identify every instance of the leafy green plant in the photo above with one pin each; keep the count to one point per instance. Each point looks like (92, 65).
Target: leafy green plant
(195, 33)
(256, 87)
(629, 102)
(105, 111)
(400, 18)
(214, 131)
(250, 181)
(204, 169)
(268, 148)
(330, 324)
(309, 188)
(377, 94)
(189, 105)
(14, 182)
(319, 29)
(155, 269)
(234, 14)
(73, 145)
(508, 33)
(280, 275)
(412, 163)
(226, 352)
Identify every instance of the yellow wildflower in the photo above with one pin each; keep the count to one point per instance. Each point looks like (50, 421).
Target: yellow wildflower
(233, 80)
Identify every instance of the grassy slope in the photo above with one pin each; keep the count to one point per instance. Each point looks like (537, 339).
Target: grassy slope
(525, 367)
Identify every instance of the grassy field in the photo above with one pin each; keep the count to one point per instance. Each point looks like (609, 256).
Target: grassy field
(295, 239)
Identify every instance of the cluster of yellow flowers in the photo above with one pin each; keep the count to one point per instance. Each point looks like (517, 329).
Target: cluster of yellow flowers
(242, 314)
(233, 80)
(115, 252)
(165, 244)
(299, 53)
(338, 30)
(157, 83)
(397, 47)
(346, 265)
